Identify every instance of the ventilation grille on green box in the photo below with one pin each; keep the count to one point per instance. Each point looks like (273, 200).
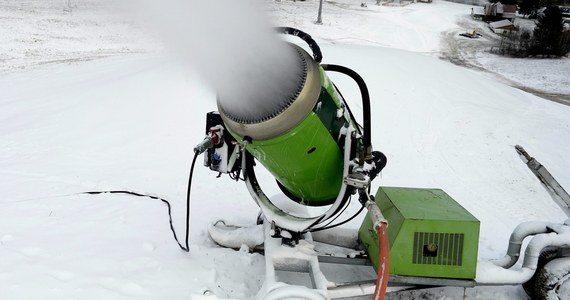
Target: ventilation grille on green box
(438, 248)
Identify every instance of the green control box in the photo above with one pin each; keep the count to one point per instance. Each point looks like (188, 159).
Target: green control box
(430, 234)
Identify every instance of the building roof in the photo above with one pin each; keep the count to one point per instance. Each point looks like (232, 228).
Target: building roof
(501, 24)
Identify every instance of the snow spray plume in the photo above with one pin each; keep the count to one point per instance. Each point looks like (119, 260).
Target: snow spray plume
(233, 47)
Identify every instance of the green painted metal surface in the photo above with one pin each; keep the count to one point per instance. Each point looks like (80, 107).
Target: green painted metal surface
(430, 234)
(307, 159)
(328, 105)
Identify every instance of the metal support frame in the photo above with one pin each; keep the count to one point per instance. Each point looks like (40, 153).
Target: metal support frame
(281, 218)
(556, 191)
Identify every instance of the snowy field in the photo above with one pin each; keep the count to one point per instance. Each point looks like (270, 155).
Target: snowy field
(432, 29)
(128, 120)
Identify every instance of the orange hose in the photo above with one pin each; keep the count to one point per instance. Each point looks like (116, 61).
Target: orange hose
(383, 262)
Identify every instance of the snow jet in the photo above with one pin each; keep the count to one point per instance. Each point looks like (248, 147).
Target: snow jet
(232, 45)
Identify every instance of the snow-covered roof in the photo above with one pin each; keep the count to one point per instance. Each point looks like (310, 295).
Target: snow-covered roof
(501, 24)
(499, 7)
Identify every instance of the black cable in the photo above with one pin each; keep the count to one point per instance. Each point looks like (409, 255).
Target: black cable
(317, 55)
(337, 215)
(341, 223)
(366, 136)
(188, 204)
(358, 126)
(186, 245)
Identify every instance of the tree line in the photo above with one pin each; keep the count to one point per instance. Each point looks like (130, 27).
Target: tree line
(547, 39)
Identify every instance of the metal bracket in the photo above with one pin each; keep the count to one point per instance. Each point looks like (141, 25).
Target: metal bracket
(357, 180)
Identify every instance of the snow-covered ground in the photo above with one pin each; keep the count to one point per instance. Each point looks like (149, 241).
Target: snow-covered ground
(40, 32)
(432, 29)
(71, 124)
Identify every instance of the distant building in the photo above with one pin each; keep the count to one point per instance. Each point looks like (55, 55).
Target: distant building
(499, 11)
(494, 12)
(502, 26)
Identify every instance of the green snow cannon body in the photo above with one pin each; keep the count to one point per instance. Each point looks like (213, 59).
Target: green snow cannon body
(298, 143)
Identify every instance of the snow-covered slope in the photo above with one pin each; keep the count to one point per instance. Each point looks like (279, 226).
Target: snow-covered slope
(131, 122)
(432, 29)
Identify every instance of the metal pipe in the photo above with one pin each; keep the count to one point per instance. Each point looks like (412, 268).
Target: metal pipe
(541, 242)
(557, 236)
(556, 191)
(522, 231)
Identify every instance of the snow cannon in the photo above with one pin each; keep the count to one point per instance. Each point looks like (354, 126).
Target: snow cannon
(297, 142)
(320, 156)
(308, 140)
